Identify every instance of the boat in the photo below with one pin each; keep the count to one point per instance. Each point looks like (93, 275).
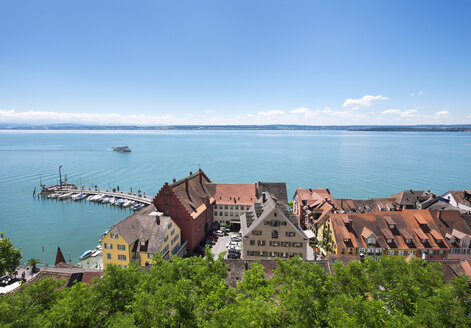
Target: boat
(52, 196)
(128, 203)
(119, 202)
(122, 149)
(90, 198)
(106, 200)
(79, 196)
(137, 207)
(65, 196)
(98, 247)
(98, 252)
(113, 201)
(99, 198)
(86, 254)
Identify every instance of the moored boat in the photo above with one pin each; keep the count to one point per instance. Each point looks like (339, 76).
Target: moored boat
(86, 254)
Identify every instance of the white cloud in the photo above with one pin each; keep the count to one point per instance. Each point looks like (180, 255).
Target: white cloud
(271, 113)
(41, 117)
(365, 101)
(209, 111)
(417, 94)
(443, 114)
(301, 110)
(409, 113)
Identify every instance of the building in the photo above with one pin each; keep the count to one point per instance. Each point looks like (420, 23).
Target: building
(406, 232)
(454, 227)
(231, 201)
(414, 199)
(459, 198)
(189, 203)
(270, 230)
(311, 205)
(139, 237)
(276, 189)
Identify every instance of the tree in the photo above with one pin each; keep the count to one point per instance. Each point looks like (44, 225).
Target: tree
(10, 257)
(33, 262)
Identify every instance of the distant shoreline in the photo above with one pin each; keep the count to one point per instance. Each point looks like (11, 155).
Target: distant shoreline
(274, 127)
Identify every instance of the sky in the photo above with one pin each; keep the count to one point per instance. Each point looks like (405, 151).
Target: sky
(235, 62)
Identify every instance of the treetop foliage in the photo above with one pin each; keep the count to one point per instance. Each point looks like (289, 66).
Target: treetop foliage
(193, 292)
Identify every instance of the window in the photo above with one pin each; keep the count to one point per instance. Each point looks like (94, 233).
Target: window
(252, 242)
(401, 253)
(175, 249)
(391, 253)
(379, 251)
(108, 256)
(410, 252)
(166, 212)
(257, 232)
(275, 214)
(108, 246)
(298, 245)
(114, 236)
(121, 247)
(274, 234)
(286, 244)
(389, 240)
(274, 243)
(260, 242)
(346, 240)
(371, 250)
(441, 252)
(226, 207)
(225, 214)
(166, 201)
(290, 234)
(220, 213)
(150, 255)
(169, 225)
(439, 241)
(232, 213)
(232, 207)
(121, 257)
(173, 231)
(391, 226)
(408, 241)
(362, 250)
(371, 241)
(237, 207)
(166, 238)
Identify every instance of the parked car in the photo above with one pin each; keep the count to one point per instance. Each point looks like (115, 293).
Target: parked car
(233, 255)
(236, 238)
(219, 233)
(233, 248)
(232, 243)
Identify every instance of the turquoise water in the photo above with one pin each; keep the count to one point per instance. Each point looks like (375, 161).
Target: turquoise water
(351, 164)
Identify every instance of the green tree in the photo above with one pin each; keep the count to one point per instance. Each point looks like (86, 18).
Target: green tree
(10, 257)
(33, 263)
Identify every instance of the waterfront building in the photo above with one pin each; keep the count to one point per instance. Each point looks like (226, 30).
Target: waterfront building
(231, 201)
(270, 230)
(414, 199)
(311, 205)
(453, 225)
(406, 232)
(459, 198)
(140, 236)
(189, 203)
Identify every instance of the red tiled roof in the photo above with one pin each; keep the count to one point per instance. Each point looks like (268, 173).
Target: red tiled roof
(234, 193)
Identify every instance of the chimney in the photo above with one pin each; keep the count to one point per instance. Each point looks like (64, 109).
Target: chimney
(328, 190)
(186, 185)
(191, 173)
(174, 180)
(201, 178)
(264, 197)
(157, 220)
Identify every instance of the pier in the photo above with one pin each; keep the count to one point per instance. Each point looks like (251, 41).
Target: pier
(65, 189)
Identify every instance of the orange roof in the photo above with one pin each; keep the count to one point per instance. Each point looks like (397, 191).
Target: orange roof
(313, 196)
(234, 193)
(389, 220)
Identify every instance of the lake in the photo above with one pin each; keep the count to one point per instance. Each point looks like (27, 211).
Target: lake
(352, 164)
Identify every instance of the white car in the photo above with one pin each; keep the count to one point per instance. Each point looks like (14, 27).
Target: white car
(236, 238)
(234, 248)
(232, 243)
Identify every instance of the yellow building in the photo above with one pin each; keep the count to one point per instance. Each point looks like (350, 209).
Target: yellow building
(139, 237)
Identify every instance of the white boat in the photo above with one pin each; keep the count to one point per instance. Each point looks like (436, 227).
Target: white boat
(99, 198)
(96, 253)
(113, 201)
(90, 198)
(122, 149)
(106, 200)
(80, 197)
(128, 203)
(52, 196)
(65, 196)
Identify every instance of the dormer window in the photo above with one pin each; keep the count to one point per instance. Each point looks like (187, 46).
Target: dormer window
(439, 241)
(371, 241)
(389, 240)
(346, 240)
(423, 225)
(392, 226)
(423, 241)
(408, 241)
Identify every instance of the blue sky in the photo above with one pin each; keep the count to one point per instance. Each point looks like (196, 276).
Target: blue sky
(235, 62)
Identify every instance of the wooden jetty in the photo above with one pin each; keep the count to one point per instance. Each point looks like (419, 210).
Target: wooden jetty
(65, 189)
